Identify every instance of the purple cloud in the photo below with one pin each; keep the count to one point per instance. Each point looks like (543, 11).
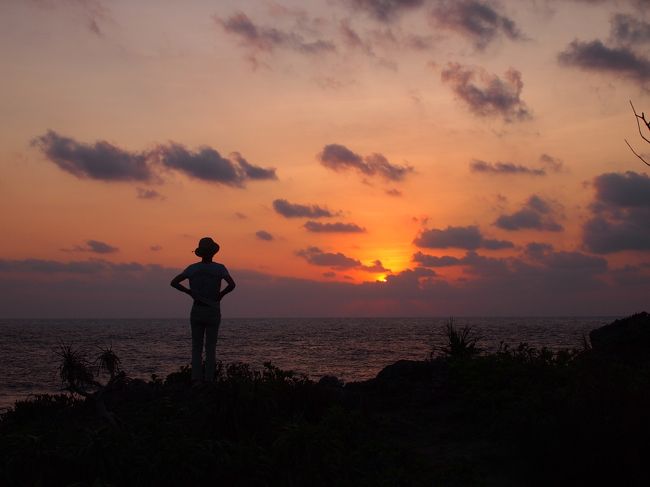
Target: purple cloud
(617, 61)
(620, 214)
(503, 168)
(475, 20)
(102, 161)
(486, 94)
(295, 210)
(469, 238)
(264, 235)
(337, 227)
(339, 158)
(536, 214)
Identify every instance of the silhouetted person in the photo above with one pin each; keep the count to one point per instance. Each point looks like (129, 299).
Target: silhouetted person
(205, 288)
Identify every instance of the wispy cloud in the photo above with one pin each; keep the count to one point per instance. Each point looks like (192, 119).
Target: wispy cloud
(618, 61)
(264, 235)
(503, 168)
(338, 260)
(486, 94)
(261, 39)
(476, 20)
(94, 246)
(629, 30)
(296, 210)
(384, 10)
(337, 227)
(340, 158)
(148, 194)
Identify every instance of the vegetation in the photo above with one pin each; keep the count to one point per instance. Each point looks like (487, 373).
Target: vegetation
(520, 416)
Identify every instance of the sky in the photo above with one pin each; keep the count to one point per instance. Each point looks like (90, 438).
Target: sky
(351, 157)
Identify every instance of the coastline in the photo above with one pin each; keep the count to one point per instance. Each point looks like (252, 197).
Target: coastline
(520, 416)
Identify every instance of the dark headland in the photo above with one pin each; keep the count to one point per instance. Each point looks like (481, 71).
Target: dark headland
(516, 417)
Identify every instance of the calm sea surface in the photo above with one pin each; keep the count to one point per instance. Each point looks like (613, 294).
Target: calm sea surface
(350, 348)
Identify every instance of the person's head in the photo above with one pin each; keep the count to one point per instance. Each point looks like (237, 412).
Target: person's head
(207, 248)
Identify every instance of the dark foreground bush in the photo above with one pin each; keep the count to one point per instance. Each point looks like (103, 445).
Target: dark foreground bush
(520, 416)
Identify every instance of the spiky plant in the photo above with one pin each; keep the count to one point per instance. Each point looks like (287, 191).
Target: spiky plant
(460, 343)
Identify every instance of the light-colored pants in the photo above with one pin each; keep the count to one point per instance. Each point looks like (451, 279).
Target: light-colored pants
(204, 321)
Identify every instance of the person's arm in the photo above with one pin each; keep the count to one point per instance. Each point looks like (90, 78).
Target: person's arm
(231, 285)
(176, 283)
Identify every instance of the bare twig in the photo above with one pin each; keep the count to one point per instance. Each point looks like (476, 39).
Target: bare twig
(636, 154)
(638, 117)
(645, 122)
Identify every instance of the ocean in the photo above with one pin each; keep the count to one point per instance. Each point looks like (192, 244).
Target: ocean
(350, 348)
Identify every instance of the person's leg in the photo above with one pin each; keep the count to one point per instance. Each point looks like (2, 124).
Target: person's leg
(211, 332)
(198, 329)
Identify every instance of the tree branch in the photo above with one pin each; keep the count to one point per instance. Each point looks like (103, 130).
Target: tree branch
(635, 153)
(645, 122)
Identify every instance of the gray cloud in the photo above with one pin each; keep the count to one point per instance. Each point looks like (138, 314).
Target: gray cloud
(595, 56)
(376, 266)
(148, 194)
(264, 235)
(426, 260)
(94, 246)
(316, 256)
(206, 164)
(106, 162)
(536, 250)
(469, 238)
(337, 227)
(96, 12)
(101, 160)
(480, 166)
(620, 214)
(536, 214)
(253, 172)
(486, 94)
(340, 158)
(384, 10)
(294, 210)
(476, 20)
(100, 247)
(337, 260)
(83, 267)
(259, 38)
(551, 163)
(629, 30)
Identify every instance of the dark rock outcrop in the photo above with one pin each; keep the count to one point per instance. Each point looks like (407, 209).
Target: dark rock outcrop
(624, 339)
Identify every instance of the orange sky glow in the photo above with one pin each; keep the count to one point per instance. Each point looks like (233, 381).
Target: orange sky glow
(433, 157)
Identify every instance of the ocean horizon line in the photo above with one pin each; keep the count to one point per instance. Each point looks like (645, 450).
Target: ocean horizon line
(396, 317)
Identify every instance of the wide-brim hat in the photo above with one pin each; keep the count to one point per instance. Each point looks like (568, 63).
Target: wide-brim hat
(207, 246)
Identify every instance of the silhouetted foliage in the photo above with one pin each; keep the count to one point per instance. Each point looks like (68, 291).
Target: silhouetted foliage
(519, 416)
